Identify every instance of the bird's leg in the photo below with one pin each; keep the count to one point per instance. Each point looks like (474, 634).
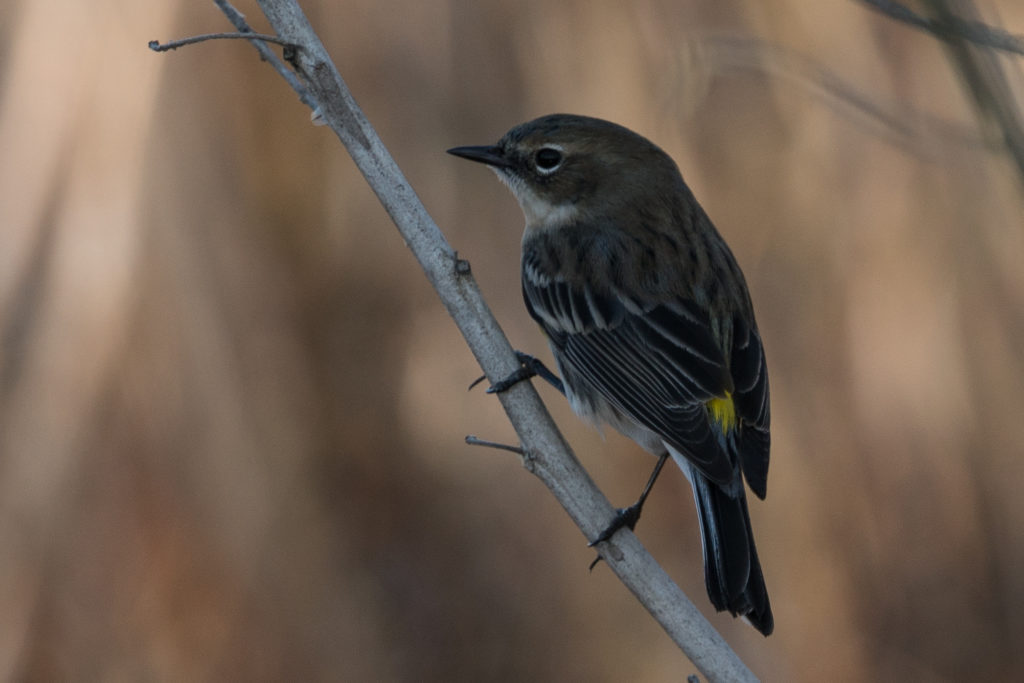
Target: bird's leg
(628, 517)
(530, 367)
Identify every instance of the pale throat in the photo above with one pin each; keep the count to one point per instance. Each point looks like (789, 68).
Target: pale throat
(541, 214)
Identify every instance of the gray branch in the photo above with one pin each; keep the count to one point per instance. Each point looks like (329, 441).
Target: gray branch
(545, 452)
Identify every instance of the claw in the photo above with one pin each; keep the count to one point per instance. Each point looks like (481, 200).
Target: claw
(529, 367)
(513, 379)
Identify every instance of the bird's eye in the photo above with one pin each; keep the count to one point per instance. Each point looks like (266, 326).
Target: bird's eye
(547, 159)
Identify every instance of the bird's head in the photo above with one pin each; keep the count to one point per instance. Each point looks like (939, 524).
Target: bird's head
(562, 168)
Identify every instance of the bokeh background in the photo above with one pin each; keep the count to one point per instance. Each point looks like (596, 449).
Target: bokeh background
(232, 410)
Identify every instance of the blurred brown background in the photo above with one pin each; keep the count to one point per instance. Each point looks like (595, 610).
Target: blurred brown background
(232, 409)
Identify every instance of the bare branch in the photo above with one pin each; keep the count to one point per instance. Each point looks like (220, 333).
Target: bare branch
(548, 455)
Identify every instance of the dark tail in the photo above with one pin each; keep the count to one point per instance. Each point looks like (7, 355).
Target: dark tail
(731, 569)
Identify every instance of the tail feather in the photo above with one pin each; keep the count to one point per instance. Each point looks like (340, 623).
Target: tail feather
(732, 571)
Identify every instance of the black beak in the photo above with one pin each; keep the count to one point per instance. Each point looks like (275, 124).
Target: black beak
(492, 156)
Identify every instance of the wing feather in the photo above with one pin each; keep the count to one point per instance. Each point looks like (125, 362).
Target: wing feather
(656, 364)
(750, 375)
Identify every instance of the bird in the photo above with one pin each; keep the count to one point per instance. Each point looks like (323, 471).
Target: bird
(650, 322)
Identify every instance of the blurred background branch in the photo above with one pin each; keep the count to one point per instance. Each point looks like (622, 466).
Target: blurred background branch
(970, 42)
(950, 26)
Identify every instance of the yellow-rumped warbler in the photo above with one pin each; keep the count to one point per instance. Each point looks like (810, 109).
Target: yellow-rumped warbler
(650, 323)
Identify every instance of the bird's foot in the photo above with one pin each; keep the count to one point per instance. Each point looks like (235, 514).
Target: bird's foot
(529, 367)
(624, 517)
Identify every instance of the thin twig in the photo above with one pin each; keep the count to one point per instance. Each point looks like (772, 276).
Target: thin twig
(157, 46)
(951, 27)
(258, 40)
(237, 19)
(474, 441)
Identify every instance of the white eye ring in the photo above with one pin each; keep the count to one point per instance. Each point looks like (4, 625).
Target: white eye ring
(548, 159)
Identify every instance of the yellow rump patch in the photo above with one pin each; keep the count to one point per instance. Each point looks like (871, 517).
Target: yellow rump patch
(723, 412)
